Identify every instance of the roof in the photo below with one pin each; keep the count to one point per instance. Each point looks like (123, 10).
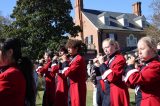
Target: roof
(93, 16)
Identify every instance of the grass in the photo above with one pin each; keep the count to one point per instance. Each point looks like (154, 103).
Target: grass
(89, 96)
(132, 97)
(39, 98)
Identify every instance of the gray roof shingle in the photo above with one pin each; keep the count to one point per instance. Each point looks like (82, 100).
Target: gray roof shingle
(93, 16)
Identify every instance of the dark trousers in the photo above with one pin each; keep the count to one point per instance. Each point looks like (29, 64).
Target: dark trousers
(103, 97)
(45, 101)
(100, 94)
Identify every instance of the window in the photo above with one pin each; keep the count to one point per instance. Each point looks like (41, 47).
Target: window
(106, 35)
(111, 36)
(86, 40)
(126, 23)
(107, 21)
(90, 39)
(143, 23)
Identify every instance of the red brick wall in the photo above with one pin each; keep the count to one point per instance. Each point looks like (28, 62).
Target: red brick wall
(90, 29)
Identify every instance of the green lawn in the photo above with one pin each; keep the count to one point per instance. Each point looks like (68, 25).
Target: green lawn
(40, 96)
(132, 98)
(89, 98)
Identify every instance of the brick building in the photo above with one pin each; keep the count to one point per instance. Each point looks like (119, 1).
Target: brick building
(97, 25)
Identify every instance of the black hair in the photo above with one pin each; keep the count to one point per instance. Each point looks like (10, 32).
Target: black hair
(11, 43)
(63, 49)
(74, 43)
(24, 64)
(50, 53)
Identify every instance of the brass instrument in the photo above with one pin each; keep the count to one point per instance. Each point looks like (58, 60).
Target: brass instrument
(96, 59)
(59, 59)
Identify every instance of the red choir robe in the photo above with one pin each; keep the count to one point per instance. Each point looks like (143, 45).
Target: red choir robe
(118, 93)
(77, 75)
(50, 83)
(61, 95)
(12, 87)
(147, 80)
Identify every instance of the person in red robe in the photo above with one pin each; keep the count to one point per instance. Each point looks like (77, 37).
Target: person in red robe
(45, 70)
(115, 91)
(77, 74)
(61, 83)
(16, 75)
(146, 78)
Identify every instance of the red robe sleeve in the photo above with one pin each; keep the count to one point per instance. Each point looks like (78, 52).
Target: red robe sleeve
(147, 76)
(54, 69)
(73, 67)
(116, 69)
(44, 69)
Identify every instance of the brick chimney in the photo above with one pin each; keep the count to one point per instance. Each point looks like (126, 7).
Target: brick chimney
(78, 16)
(137, 8)
(78, 11)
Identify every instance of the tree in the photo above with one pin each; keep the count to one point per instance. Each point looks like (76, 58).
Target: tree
(156, 12)
(4, 21)
(41, 24)
(154, 32)
(154, 29)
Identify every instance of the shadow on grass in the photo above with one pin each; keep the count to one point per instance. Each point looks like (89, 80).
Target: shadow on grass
(132, 104)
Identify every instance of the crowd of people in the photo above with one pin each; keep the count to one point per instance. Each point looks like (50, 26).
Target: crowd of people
(139, 70)
(65, 75)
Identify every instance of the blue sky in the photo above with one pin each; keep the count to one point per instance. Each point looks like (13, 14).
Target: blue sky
(6, 6)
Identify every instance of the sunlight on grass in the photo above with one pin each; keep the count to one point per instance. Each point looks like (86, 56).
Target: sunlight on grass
(89, 97)
(39, 98)
(132, 97)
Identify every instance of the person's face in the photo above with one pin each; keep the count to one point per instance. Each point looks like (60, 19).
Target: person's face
(46, 57)
(144, 52)
(72, 51)
(5, 59)
(158, 46)
(108, 49)
(1, 59)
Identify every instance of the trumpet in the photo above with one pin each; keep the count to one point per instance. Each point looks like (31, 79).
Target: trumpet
(59, 57)
(95, 60)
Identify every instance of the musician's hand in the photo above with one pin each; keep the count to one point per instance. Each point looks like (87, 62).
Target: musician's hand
(131, 60)
(95, 60)
(55, 58)
(64, 57)
(41, 61)
(100, 59)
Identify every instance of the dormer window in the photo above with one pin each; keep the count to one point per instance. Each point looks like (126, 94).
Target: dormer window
(123, 20)
(143, 23)
(107, 21)
(104, 18)
(140, 21)
(126, 23)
